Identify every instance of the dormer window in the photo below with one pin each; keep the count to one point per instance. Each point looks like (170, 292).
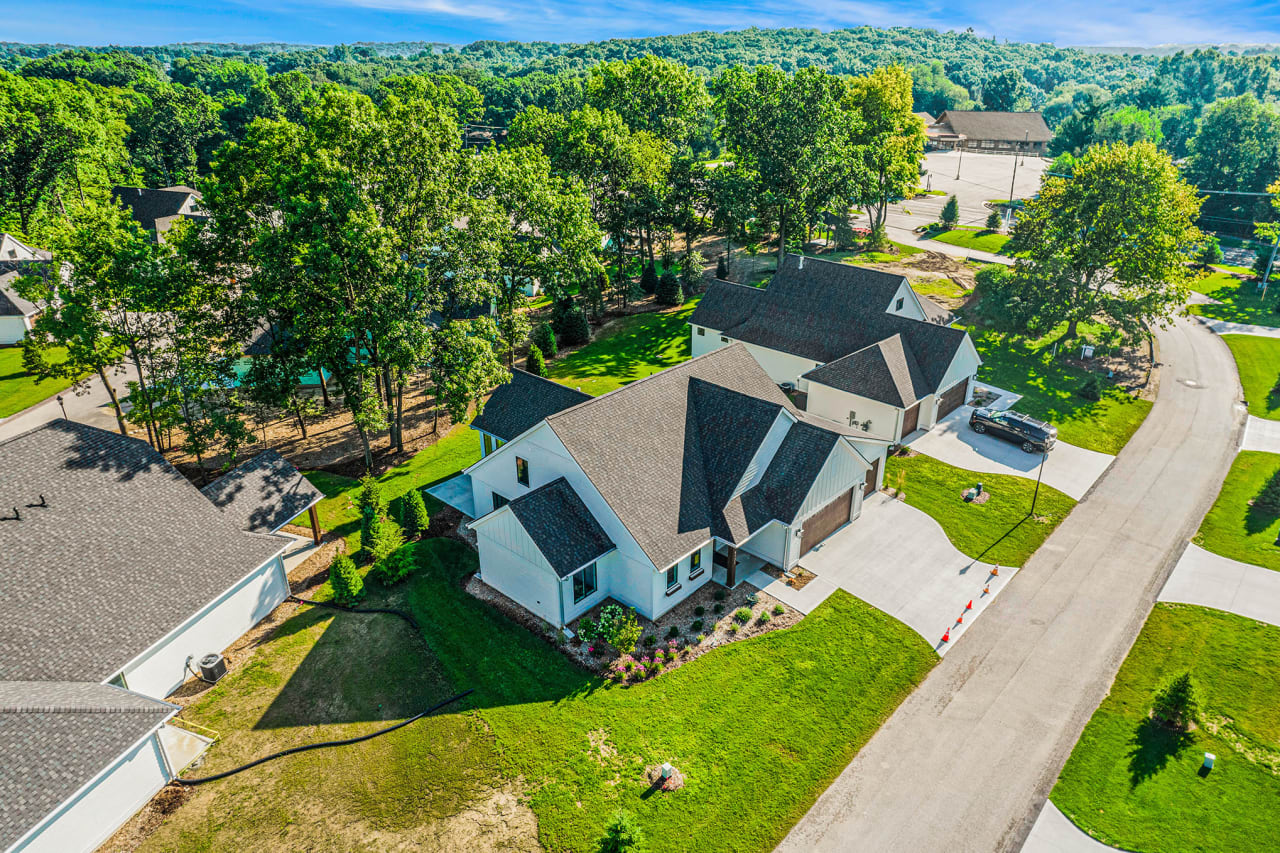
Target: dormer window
(901, 301)
(522, 471)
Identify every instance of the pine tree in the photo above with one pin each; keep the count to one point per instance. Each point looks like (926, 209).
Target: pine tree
(345, 579)
(577, 329)
(535, 363)
(993, 221)
(649, 279)
(669, 291)
(416, 519)
(545, 338)
(722, 268)
(622, 836)
(1178, 704)
(844, 235)
(1211, 251)
(951, 212)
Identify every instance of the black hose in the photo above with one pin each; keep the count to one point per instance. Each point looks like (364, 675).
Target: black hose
(329, 743)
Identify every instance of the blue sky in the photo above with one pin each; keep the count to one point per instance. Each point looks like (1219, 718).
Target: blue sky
(1066, 22)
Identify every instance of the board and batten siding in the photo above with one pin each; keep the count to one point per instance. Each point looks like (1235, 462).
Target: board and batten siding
(911, 306)
(769, 543)
(161, 669)
(842, 470)
(102, 806)
(511, 563)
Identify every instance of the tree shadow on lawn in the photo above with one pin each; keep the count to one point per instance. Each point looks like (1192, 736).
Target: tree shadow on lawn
(1153, 747)
(644, 343)
(1258, 517)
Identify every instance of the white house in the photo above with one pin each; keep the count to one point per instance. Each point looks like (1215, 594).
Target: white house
(17, 314)
(157, 209)
(637, 494)
(858, 343)
(117, 572)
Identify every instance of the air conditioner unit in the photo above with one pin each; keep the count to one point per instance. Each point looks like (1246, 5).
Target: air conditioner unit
(212, 667)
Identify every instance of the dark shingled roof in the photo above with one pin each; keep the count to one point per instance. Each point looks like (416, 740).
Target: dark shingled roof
(562, 527)
(11, 304)
(522, 403)
(1007, 127)
(726, 304)
(263, 494)
(885, 371)
(827, 310)
(157, 209)
(124, 550)
(689, 434)
(57, 736)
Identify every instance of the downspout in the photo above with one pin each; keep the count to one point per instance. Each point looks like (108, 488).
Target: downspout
(560, 596)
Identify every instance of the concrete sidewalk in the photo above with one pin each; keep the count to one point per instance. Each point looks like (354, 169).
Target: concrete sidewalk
(1261, 434)
(1055, 833)
(1222, 327)
(1219, 582)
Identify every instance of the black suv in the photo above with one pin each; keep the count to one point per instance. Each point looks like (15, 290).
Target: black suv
(1034, 436)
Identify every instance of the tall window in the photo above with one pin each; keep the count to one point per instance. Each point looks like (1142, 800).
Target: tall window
(584, 583)
(499, 501)
(901, 300)
(695, 562)
(488, 444)
(522, 471)
(673, 575)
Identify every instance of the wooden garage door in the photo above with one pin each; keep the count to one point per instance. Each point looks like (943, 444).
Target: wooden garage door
(824, 522)
(872, 475)
(951, 399)
(910, 420)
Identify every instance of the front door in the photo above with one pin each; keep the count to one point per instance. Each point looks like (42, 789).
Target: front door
(873, 473)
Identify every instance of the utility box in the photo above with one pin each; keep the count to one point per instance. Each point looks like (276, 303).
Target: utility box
(1209, 758)
(212, 667)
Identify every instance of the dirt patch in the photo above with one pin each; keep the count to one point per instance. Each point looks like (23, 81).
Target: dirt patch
(798, 579)
(658, 782)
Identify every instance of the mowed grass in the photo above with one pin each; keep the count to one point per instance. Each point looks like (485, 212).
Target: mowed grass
(1258, 362)
(18, 389)
(1135, 784)
(943, 288)
(1235, 529)
(630, 348)
(978, 239)
(1049, 391)
(758, 728)
(998, 531)
(1241, 300)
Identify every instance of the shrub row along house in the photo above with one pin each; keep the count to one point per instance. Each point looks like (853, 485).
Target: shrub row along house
(708, 468)
(118, 575)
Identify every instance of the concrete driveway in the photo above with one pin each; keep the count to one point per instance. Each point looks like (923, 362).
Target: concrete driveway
(1210, 580)
(91, 405)
(1069, 469)
(897, 559)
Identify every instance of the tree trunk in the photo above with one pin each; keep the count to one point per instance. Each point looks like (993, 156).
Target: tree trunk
(368, 451)
(324, 387)
(152, 437)
(1071, 329)
(115, 402)
(302, 423)
(400, 415)
(782, 238)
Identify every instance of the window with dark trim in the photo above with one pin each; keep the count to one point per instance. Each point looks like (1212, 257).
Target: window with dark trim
(723, 339)
(522, 471)
(695, 564)
(499, 501)
(901, 300)
(701, 331)
(584, 583)
(488, 444)
(673, 575)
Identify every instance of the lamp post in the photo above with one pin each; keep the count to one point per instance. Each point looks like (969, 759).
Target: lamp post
(960, 146)
(64, 408)
(1044, 454)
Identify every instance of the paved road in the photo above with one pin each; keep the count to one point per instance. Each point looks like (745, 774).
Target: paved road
(966, 762)
(92, 407)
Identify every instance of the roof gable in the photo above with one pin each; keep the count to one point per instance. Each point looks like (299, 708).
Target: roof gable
(1007, 126)
(885, 371)
(263, 494)
(561, 526)
(519, 405)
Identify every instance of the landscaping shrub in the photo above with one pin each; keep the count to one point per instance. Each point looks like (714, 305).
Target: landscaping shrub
(414, 514)
(651, 641)
(544, 337)
(588, 631)
(718, 609)
(1267, 501)
(733, 627)
(1001, 301)
(699, 610)
(534, 362)
(623, 835)
(778, 610)
(743, 615)
(669, 291)
(619, 628)
(570, 322)
(764, 618)
(691, 273)
(348, 586)
(395, 567)
(718, 595)
(1178, 704)
(385, 538)
(673, 632)
(701, 638)
(1210, 251)
(722, 268)
(878, 239)
(1091, 389)
(951, 212)
(844, 235)
(695, 626)
(993, 221)
(649, 279)
(372, 506)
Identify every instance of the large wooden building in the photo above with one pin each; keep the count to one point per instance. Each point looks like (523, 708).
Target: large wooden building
(990, 132)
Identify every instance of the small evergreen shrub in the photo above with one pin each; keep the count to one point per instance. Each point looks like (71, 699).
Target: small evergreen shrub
(1178, 704)
(742, 615)
(385, 538)
(623, 835)
(718, 609)
(1210, 251)
(951, 212)
(650, 641)
(544, 337)
(699, 610)
(348, 586)
(722, 268)
(1091, 389)
(673, 632)
(691, 274)
(695, 626)
(669, 291)
(993, 221)
(577, 330)
(534, 362)
(764, 618)
(395, 567)
(416, 518)
(778, 610)
(718, 595)
(733, 627)
(649, 279)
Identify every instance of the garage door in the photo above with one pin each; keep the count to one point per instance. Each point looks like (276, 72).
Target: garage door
(824, 522)
(872, 475)
(910, 419)
(951, 399)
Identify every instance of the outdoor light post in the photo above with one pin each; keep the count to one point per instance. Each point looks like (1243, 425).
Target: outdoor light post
(1044, 454)
(960, 162)
(64, 408)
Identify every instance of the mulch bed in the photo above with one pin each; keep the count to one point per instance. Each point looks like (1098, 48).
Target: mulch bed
(798, 579)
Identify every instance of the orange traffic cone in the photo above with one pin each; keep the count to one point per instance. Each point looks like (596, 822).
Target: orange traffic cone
(969, 606)
(986, 590)
(946, 638)
(959, 620)
(995, 571)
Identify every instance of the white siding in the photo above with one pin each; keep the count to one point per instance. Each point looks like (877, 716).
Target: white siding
(513, 565)
(162, 669)
(963, 367)
(843, 470)
(769, 543)
(782, 366)
(837, 405)
(661, 601)
(706, 342)
(108, 801)
(911, 306)
(14, 329)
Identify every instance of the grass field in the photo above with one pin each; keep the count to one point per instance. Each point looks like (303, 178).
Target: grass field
(972, 238)
(1233, 528)
(997, 531)
(938, 287)
(1258, 362)
(1240, 299)
(758, 729)
(630, 348)
(1049, 391)
(1135, 784)
(18, 390)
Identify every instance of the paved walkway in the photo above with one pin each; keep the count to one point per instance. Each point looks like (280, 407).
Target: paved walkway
(1261, 434)
(1222, 327)
(93, 407)
(457, 493)
(967, 760)
(1069, 469)
(1207, 579)
(1055, 833)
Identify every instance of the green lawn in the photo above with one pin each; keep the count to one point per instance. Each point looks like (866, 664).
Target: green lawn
(1258, 362)
(901, 250)
(1049, 391)
(938, 287)
(630, 348)
(1241, 300)
(978, 239)
(1233, 528)
(18, 389)
(997, 531)
(1134, 784)
(758, 728)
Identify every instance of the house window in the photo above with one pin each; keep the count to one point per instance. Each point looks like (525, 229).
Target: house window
(723, 339)
(522, 471)
(584, 583)
(488, 444)
(901, 301)
(673, 575)
(701, 330)
(499, 501)
(695, 564)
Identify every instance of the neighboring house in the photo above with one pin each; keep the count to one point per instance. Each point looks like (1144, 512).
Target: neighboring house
(156, 210)
(990, 132)
(17, 314)
(927, 118)
(639, 493)
(117, 572)
(857, 342)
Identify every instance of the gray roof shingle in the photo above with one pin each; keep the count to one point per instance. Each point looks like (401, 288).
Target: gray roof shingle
(123, 551)
(562, 527)
(885, 371)
(11, 304)
(1000, 126)
(157, 209)
(263, 494)
(57, 736)
(523, 402)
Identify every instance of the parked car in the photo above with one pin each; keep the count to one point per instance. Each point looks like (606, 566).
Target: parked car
(1033, 435)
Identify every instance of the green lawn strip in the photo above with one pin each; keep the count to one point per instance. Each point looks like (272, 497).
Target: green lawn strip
(630, 348)
(1048, 388)
(18, 389)
(1134, 784)
(1233, 528)
(1243, 270)
(1258, 362)
(978, 239)
(1240, 300)
(943, 287)
(455, 451)
(997, 531)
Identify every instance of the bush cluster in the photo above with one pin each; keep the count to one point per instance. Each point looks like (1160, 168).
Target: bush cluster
(544, 338)
(344, 577)
(534, 362)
